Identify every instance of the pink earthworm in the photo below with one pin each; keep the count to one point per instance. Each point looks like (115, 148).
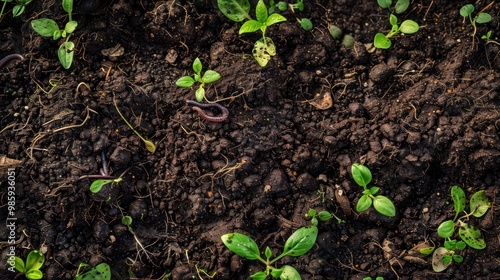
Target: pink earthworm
(10, 57)
(198, 107)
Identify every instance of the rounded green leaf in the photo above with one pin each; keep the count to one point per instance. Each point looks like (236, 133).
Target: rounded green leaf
(34, 260)
(467, 10)
(18, 10)
(242, 245)
(446, 229)
(276, 272)
(235, 10)
(34, 274)
(200, 93)
(348, 41)
(384, 4)
(458, 196)
(409, 27)
(364, 203)
(150, 146)
(97, 185)
(401, 6)
(483, 18)
(335, 31)
(65, 54)
(185, 81)
(325, 216)
(437, 259)
(249, 26)
(289, 273)
(275, 18)
(67, 5)
(19, 264)
(126, 220)
(268, 253)
(471, 235)
(361, 174)
(70, 26)
(301, 241)
(479, 204)
(306, 24)
(384, 206)
(57, 34)
(210, 76)
(393, 19)
(44, 26)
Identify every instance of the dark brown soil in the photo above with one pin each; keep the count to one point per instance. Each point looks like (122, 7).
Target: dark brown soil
(423, 116)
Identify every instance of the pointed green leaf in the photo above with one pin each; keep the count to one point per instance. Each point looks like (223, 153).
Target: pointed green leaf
(361, 174)
(261, 275)
(384, 4)
(18, 10)
(235, 10)
(249, 26)
(301, 241)
(446, 229)
(261, 12)
(325, 216)
(458, 196)
(97, 185)
(401, 6)
(200, 93)
(276, 272)
(34, 274)
(268, 253)
(210, 76)
(364, 203)
(384, 206)
(479, 204)
(19, 264)
(44, 26)
(374, 190)
(242, 245)
(185, 81)
(197, 67)
(393, 19)
(275, 18)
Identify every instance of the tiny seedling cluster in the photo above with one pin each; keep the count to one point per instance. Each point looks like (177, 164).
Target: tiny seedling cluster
(31, 269)
(18, 9)
(408, 26)
(208, 77)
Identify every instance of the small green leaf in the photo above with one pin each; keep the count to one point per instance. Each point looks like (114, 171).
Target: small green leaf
(437, 259)
(364, 203)
(210, 76)
(67, 5)
(311, 213)
(458, 258)
(282, 6)
(447, 259)
(301, 241)
(325, 216)
(70, 26)
(275, 18)
(335, 31)
(450, 244)
(467, 10)
(384, 4)
(34, 274)
(261, 12)
(276, 272)
(479, 204)
(200, 93)
(35, 260)
(361, 174)
(409, 27)
(471, 235)
(197, 67)
(268, 253)
(384, 206)
(460, 245)
(427, 251)
(126, 220)
(393, 19)
(483, 18)
(235, 10)
(306, 24)
(97, 185)
(374, 190)
(19, 264)
(401, 6)
(242, 245)
(249, 26)
(57, 34)
(289, 273)
(150, 146)
(446, 229)
(458, 196)
(44, 26)
(65, 54)
(261, 275)
(100, 272)
(185, 82)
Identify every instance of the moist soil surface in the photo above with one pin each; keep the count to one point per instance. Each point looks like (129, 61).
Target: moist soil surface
(423, 115)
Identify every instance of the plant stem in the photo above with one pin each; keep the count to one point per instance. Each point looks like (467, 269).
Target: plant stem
(125, 120)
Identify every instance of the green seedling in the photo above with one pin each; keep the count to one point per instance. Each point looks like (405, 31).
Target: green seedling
(337, 34)
(306, 24)
(377, 278)
(408, 26)
(470, 235)
(444, 256)
(18, 9)
(31, 268)
(208, 77)
(127, 221)
(362, 176)
(47, 27)
(283, 6)
(100, 272)
(487, 38)
(322, 216)
(299, 243)
(467, 10)
(149, 145)
(97, 185)
(237, 10)
(400, 6)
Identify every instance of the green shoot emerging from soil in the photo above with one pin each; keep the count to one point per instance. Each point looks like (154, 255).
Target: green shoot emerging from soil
(322, 216)
(47, 27)
(399, 7)
(467, 10)
(208, 77)
(100, 272)
(237, 10)
(299, 243)
(149, 145)
(362, 176)
(282, 6)
(470, 235)
(97, 185)
(18, 9)
(337, 34)
(31, 268)
(408, 26)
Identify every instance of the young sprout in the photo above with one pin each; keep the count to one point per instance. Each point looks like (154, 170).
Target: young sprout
(149, 145)
(467, 10)
(31, 268)
(400, 7)
(208, 77)
(487, 38)
(408, 26)
(306, 24)
(322, 216)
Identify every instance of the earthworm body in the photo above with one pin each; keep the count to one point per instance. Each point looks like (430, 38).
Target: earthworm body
(10, 57)
(198, 107)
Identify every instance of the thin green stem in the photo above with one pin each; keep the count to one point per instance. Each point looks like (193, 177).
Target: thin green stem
(125, 120)
(3, 8)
